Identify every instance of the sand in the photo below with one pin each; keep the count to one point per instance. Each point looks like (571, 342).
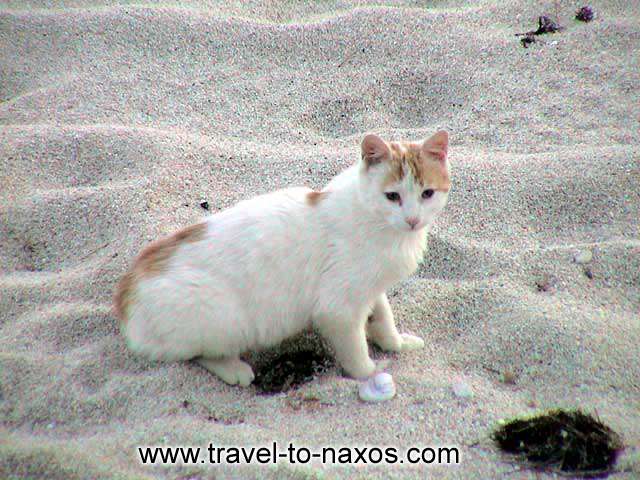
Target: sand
(117, 119)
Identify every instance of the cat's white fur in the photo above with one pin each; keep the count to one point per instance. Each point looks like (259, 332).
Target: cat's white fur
(277, 264)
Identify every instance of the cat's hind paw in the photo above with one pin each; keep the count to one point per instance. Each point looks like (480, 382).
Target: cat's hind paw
(231, 370)
(411, 342)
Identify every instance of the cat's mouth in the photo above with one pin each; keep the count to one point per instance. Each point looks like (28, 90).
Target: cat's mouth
(411, 229)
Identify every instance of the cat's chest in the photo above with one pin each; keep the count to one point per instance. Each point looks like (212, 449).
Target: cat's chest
(403, 258)
(384, 263)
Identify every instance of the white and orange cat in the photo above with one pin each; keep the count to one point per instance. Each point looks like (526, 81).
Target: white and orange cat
(275, 265)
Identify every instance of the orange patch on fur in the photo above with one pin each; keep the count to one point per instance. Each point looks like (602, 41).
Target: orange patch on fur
(313, 198)
(152, 261)
(123, 295)
(428, 170)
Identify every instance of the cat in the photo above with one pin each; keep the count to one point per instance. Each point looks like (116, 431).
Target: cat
(270, 267)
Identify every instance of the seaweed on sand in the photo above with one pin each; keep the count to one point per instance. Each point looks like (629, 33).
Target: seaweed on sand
(569, 442)
(290, 370)
(545, 25)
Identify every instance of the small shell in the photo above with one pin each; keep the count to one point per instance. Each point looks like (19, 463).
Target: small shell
(462, 390)
(378, 388)
(583, 256)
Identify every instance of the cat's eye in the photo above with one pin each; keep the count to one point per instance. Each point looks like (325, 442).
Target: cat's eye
(428, 193)
(392, 196)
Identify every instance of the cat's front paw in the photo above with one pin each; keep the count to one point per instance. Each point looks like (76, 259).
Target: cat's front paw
(411, 342)
(360, 370)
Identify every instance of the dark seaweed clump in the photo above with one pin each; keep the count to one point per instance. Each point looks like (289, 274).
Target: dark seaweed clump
(562, 441)
(545, 25)
(585, 14)
(290, 370)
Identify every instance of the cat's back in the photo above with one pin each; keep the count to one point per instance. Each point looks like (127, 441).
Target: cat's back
(271, 218)
(259, 236)
(237, 240)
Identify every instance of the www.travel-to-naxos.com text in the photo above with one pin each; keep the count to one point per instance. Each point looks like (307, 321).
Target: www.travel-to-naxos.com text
(272, 454)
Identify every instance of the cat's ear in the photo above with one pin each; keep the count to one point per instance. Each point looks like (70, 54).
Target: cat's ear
(437, 145)
(374, 150)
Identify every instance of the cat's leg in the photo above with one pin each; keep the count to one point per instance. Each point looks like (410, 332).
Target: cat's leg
(230, 369)
(381, 329)
(347, 337)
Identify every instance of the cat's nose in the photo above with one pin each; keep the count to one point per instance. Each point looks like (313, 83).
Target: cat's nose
(412, 221)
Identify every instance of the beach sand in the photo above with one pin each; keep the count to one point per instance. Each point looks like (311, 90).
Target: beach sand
(118, 119)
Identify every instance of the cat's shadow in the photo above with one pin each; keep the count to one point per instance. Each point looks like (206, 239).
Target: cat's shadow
(444, 260)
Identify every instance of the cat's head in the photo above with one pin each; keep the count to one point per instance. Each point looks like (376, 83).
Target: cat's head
(406, 183)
